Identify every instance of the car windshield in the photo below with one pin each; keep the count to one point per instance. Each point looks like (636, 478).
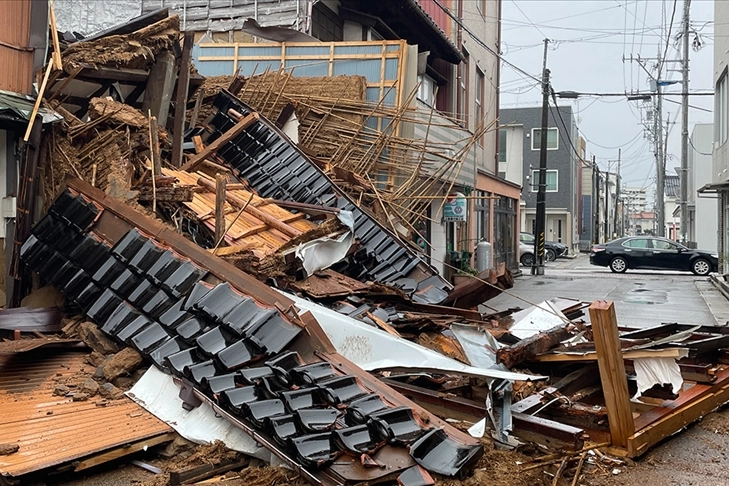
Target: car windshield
(526, 238)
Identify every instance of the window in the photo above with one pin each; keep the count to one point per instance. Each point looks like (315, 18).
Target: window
(664, 245)
(426, 89)
(552, 179)
(502, 145)
(326, 25)
(720, 111)
(480, 88)
(463, 90)
(552, 137)
(636, 243)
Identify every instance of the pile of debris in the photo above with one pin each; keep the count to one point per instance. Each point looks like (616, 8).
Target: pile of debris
(239, 290)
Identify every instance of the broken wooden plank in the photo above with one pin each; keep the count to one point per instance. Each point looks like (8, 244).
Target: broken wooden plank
(612, 371)
(183, 84)
(160, 85)
(592, 356)
(123, 451)
(198, 473)
(166, 194)
(239, 127)
(230, 250)
(220, 194)
(264, 217)
(487, 285)
(532, 346)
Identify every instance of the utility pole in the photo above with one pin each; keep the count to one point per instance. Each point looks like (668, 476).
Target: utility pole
(607, 204)
(617, 196)
(684, 123)
(660, 163)
(596, 202)
(541, 214)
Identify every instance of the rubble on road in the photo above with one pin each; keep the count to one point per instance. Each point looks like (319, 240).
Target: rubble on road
(259, 294)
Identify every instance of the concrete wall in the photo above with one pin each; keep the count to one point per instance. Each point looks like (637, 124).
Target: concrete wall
(514, 165)
(705, 222)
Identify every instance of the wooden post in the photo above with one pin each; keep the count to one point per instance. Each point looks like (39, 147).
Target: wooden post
(154, 149)
(160, 85)
(241, 203)
(612, 371)
(196, 109)
(237, 129)
(183, 82)
(220, 181)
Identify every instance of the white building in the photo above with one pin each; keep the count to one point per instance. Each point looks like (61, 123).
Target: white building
(703, 227)
(720, 161)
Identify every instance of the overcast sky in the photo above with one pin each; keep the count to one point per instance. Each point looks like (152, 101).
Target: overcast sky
(589, 40)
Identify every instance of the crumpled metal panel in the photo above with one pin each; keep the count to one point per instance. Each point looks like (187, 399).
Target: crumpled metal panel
(261, 154)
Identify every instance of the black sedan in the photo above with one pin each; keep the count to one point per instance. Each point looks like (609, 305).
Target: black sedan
(652, 253)
(552, 249)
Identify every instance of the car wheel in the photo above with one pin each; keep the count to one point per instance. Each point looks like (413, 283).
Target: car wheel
(550, 255)
(701, 267)
(527, 259)
(618, 265)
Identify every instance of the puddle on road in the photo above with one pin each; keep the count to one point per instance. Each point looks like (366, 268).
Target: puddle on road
(643, 296)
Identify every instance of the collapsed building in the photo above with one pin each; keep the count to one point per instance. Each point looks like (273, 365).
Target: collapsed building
(228, 275)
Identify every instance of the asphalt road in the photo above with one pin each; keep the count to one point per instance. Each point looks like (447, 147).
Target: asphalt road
(643, 298)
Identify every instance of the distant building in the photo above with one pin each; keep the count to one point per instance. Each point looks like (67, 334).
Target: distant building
(641, 223)
(563, 166)
(635, 198)
(672, 196)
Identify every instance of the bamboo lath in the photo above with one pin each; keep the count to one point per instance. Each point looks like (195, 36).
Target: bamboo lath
(340, 128)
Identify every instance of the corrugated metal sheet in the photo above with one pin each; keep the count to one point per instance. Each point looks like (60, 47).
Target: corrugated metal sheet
(88, 17)
(53, 430)
(247, 229)
(226, 15)
(15, 56)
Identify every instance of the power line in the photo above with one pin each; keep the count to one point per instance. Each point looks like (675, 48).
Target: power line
(482, 43)
(528, 19)
(670, 27)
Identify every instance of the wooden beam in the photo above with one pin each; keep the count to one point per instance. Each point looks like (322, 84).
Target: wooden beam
(56, 56)
(612, 371)
(183, 84)
(196, 109)
(661, 422)
(220, 181)
(160, 85)
(531, 346)
(237, 129)
(38, 100)
(123, 451)
(593, 356)
(154, 149)
(242, 203)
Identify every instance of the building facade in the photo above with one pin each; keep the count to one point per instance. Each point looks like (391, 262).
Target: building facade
(720, 155)
(563, 166)
(702, 228)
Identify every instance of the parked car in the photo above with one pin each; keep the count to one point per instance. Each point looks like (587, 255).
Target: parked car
(653, 253)
(526, 254)
(552, 249)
